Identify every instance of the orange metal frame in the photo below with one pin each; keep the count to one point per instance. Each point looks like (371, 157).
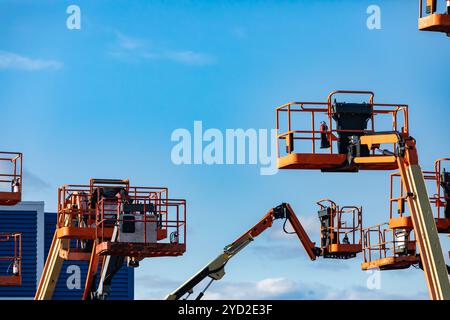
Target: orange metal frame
(381, 247)
(267, 222)
(397, 207)
(14, 279)
(383, 250)
(10, 179)
(163, 208)
(299, 113)
(79, 220)
(403, 156)
(439, 198)
(432, 21)
(340, 229)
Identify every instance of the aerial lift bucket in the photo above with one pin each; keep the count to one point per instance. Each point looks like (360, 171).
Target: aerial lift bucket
(109, 222)
(332, 140)
(388, 249)
(11, 273)
(389, 149)
(340, 230)
(10, 178)
(433, 21)
(439, 196)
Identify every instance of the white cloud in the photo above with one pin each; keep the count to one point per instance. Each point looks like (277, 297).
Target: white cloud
(270, 288)
(190, 57)
(129, 43)
(275, 286)
(10, 60)
(150, 287)
(154, 287)
(281, 288)
(135, 50)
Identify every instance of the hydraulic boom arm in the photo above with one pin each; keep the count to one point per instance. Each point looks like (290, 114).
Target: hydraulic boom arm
(432, 258)
(216, 268)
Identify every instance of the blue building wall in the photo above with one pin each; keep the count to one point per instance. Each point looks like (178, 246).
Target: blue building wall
(26, 223)
(37, 230)
(71, 281)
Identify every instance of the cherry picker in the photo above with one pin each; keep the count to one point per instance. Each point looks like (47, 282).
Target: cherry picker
(109, 223)
(432, 20)
(352, 138)
(391, 245)
(340, 239)
(10, 195)
(10, 178)
(11, 273)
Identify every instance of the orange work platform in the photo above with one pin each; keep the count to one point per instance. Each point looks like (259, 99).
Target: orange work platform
(12, 275)
(338, 136)
(140, 250)
(340, 230)
(10, 178)
(391, 263)
(438, 183)
(120, 220)
(110, 223)
(388, 249)
(432, 21)
(327, 162)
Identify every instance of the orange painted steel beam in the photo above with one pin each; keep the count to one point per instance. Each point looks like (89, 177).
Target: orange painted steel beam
(342, 247)
(10, 198)
(401, 223)
(424, 225)
(89, 233)
(74, 255)
(10, 281)
(91, 274)
(52, 269)
(301, 233)
(391, 263)
(140, 250)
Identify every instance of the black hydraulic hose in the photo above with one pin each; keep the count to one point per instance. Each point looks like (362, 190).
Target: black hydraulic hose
(284, 227)
(201, 294)
(192, 283)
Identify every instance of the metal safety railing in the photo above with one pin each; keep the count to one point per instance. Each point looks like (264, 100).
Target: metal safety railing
(77, 204)
(441, 199)
(380, 242)
(345, 223)
(438, 198)
(431, 7)
(10, 177)
(302, 122)
(11, 263)
(94, 211)
(157, 219)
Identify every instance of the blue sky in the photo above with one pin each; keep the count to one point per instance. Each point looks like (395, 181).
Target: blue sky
(103, 101)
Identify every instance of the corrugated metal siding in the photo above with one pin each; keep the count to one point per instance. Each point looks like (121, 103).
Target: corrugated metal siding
(26, 223)
(70, 286)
